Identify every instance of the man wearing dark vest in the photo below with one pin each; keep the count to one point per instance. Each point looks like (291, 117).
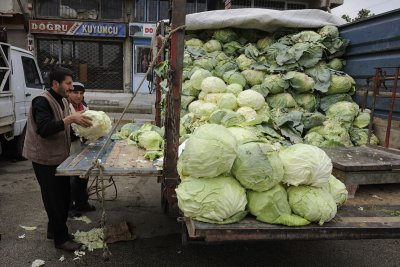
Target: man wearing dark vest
(47, 144)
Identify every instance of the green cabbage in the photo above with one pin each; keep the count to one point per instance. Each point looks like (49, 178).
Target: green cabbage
(272, 206)
(232, 48)
(329, 100)
(341, 84)
(343, 111)
(219, 200)
(312, 203)
(101, 125)
(336, 64)
(275, 83)
(300, 82)
(306, 101)
(257, 166)
(234, 88)
(260, 88)
(249, 113)
(244, 62)
(151, 140)
(359, 137)
(194, 42)
(305, 165)
(337, 189)
(212, 97)
(283, 100)
(244, 134)
(253, 77)
(225, 35)
(127, 129)
(198, 76)
(233, 77)
(227, 101)
(362, 120)
(213, 85)
(212, 45)
(264, 43)
(209, 152)
(205, 63)
(250, 98)
(314, 139)
(329, 31)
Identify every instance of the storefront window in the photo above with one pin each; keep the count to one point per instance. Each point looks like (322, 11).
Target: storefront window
(152, 10)
(48, 8)
(111, 9)
(164, 9)
(140, 10)
(142, 56)
(99, 65)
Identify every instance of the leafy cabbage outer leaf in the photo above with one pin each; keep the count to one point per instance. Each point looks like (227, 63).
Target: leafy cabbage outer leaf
(305, 165)
(337, 189)
(343, 111)
(336, 64)
(257, 166)
(341, 84)
(329, 31)
(188, 89)
(150, 140)
(311, 120)
(300, 82)
(219, 200)
(282, 100)
(209, 152)
(205, 63)
(186, 100)
(321, 75)
(314, 139)
(244, 134)
(233, 118)
(312, 203)
(223, 67)
(213, 85)
(232, 48)
(198, 76)
(234, 88)
(306, 36)
(264, 43)
(101, 125)
(194, 42)
(362, 120)
(212, 97)
(272, 206)
(127, 129)
(275, 83)
(248, 113)
(334, 133)
(252, 99)
(217, 116)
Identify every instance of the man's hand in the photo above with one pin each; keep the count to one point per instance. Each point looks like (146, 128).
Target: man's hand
(79, 119)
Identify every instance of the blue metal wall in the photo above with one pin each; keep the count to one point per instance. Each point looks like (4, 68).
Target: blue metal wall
(374, 42)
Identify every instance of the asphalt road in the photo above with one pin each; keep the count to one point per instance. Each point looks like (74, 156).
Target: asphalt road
(158, 240)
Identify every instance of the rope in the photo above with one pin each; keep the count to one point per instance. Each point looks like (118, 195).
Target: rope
(96, 162)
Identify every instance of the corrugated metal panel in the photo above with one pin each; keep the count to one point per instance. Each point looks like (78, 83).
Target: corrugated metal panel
(374, 42)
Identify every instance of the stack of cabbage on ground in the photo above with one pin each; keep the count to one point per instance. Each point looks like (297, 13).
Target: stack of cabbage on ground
(225, 175)
(289, 87)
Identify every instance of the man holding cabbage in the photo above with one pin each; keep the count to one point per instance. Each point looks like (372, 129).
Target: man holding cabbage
(47, 144)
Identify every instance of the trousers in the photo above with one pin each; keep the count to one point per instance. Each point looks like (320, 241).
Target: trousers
(56, 193)
(79, 194)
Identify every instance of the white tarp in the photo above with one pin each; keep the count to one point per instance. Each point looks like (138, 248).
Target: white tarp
(262, 19)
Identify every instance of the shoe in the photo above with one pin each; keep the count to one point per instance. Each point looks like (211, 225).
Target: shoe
(74, 213)
(69, 246)
(51, 236)
(85, 208)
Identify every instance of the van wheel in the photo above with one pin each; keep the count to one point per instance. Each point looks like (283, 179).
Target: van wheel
(20, 145)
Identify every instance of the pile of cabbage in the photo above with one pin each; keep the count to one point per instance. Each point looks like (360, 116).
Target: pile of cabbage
(290, 86)
(227, 173)
(146, 136)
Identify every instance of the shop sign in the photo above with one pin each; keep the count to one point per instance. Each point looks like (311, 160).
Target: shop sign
(141, 29)
(77, 28)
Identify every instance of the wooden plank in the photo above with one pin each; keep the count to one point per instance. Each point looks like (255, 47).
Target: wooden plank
(119, 159)
(365, 158)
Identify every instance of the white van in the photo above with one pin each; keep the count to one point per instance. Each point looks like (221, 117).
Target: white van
(20, 82)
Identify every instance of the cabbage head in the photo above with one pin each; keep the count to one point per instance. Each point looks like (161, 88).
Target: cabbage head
(362, 120)
(329, 31)
(223, 67)
(127, 129)
(249, 113)
(306, 101)
(227, 101)
(300, 82)
(232, 48)
(219, 200)
(250, 98)
(272, 206)
(334, 134)
(336, 64)
(187, 89)
(213, 85)
(233, 77)
(305, 165)
(194, 42)
(233, 118)
(212, 97)
(209, 152)
(306, 36)
(359, 137)
(329, 100)
(253, 77)
(198, 76)
(212, 46)
(244, 62)
(312, 203)
(337, 189)
(260, 88)
(151, 140)
(225, 35)
(195, 105)
(314, 139)
(343, 111)
(101, 125)
(341, 84)
(234, 88)
(205, 63)
(186, 100)
(283, 100)
(257, 166)
(264, 43)
(275, 83)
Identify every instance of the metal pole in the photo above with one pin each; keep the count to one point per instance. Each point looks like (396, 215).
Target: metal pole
(160, 34)
(392, 100)
(172, 118)
(377, 84)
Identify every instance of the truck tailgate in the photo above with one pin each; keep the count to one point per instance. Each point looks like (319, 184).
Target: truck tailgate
(374, 213)
(7, 117)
